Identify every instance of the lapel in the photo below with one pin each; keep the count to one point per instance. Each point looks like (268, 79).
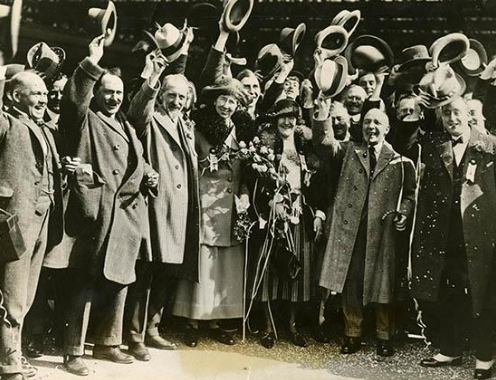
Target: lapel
(170, 127)
(361, 152)
(470, 152)
(385, 156)
(446, 153)
(113, 124)
(23, 118)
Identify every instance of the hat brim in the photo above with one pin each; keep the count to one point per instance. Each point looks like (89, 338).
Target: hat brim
(436, 103)
(479, 49)
(341, 40)
(376, 42)
(227, 16)
(338, 81)
(449, 48)
(298, 36)
(413, 63)
(269, 60)
(110, 17)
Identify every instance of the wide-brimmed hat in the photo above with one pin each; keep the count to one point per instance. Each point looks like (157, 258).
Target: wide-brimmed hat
(417, 55)
(441, 86)
(10, 21)
(224, 86)
(99, 21)
(348, 20)
(236, 14)
(45, 60)
(474, 62)
(169, 39)
(269, 60)
(331, 41)
(330, 76)
(284, 107)
(449, 48)
(291, 38)
(369, 53)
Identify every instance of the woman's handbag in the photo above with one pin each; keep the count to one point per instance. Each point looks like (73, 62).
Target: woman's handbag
(285, 263)
(12, 245)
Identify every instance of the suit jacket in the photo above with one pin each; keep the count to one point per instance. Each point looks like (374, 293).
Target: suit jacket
(106, 211)
(174, 213)
(21, 171)
(478, 202)
(392, 173)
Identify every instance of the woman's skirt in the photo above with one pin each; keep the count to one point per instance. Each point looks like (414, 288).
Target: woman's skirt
(219, 293)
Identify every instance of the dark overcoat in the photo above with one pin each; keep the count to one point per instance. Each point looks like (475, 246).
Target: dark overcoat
(106, 211)
(478, 205)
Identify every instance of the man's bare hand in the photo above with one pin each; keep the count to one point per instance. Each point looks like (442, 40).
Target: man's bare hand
(96, 49)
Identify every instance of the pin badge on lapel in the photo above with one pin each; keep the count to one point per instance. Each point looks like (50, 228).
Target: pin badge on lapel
(472, 166)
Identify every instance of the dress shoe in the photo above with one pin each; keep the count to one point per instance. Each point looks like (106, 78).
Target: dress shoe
(139, 351)
(27, 369)
(157, 341)
(191, 336)
(351, 345)
(112, 354)
(34, 347)
(268, 340)
(75, 365)
(482, 374)
(433, 363)
(298, 339)
(321, 335)
(13, 376)
(384, 348)
(222, 336)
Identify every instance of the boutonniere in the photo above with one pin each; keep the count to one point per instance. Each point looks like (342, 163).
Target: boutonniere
(307, 173)
(479, 146)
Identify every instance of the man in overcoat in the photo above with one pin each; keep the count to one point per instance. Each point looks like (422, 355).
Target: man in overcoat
(374, 197)
(106, 211)
(173, 214)
(455, 234)
(30, 189)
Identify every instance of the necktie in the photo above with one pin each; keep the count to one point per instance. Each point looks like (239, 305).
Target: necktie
(372, 159)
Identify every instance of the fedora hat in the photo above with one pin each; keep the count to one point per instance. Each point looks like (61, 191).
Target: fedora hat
(45, 60)
(331, 40)
(330, 76)
(100, 20)
(441, 86)
(269, 60)
(169, 39)
(474, 62)
(236, 14)
(202, 15)
(10, 20)
(348, 20)
(449, 48)
(412, 56)
(290, 39)
(369, 53)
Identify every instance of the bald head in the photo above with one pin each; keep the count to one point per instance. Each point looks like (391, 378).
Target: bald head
(29, 94)
(354, 99)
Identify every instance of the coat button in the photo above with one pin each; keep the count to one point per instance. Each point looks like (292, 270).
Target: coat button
(355, 188)
(115, 171)
(350, 205)
(135, 205)
(177, 167)
(179, 186)
(230, 179)
(229, 190)
(188, 135)
(360, 170)
(345, 222)
(117, 147)
(36, 183)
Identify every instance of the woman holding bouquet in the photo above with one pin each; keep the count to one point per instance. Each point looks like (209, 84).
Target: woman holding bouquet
(286, 197)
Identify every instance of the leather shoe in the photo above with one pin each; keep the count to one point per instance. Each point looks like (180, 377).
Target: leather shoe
(433, 363)
(139, 351)
(482, 374)
(268, 340)
(157, 341)
(27, 369)
(298, 339)
(34, 347)
(222, 336)
(112, 354)
(191, 336)
(75, 365)
(351, 345)
(384, 348)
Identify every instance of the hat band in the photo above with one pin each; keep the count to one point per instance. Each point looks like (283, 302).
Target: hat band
(175, 46)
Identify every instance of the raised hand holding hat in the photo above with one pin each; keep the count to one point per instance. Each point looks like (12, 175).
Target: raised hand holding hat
(236, 14)
(102, 21)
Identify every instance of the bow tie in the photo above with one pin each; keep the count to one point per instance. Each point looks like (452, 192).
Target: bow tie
(459, 140)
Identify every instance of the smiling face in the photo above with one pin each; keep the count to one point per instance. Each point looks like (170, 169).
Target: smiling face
(225, 105)
(340, 121)
(408, 109)
(375, 127)
(455, 117)
(286, 125)
(55, 94)
(110, 94)
(30, 95)
(368, 83)
(354, 100)
(476, 119)
(292, 87)
(252, 87)
(174, 97)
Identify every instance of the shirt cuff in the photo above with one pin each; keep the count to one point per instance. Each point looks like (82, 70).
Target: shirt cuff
(320, 214)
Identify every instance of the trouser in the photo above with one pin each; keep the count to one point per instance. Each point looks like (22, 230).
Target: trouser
(18, 283)
(454, 310)
(85, 295)
(384, 319)
(155, 283)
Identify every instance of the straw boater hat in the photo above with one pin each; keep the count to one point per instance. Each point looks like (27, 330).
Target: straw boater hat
(236, 14)
(291, 38)
(330, 76)
(331, 40)
(100, 20)
(348, 20)
(10, 20)
(46, 60)
(369, 53)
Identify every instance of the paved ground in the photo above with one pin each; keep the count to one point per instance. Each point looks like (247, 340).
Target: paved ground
(249, 361)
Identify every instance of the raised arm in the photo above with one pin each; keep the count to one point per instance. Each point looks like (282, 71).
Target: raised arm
(214, 67)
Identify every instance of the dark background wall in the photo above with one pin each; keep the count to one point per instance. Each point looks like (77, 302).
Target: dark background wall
(400, 23)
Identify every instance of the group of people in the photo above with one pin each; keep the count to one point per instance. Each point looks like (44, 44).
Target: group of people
(238, 193)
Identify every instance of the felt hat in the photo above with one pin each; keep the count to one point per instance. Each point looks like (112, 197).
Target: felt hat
(441, 86)
(291, 38)
(331, 40)
(10, 22)
(284, 107)
(474, 62)
(100, 20)
(224, 86)
(169, 39)
(45, 60)
(417, 55)
(449, 48)
(269, 60)
(330, 76)
(202, 15)
(369, 53)
(348, 20)
(236, 14)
